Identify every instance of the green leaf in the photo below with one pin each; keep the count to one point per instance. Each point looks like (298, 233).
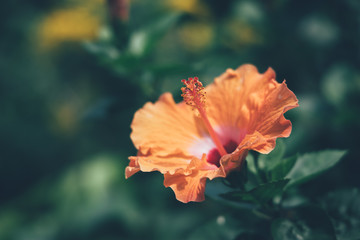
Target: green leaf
(267, 162)
(310, 165)
(216, 188)
(254, 179)
(282, 168)
(260, 194)
(251, 163)
(144, 40)
(303, 223)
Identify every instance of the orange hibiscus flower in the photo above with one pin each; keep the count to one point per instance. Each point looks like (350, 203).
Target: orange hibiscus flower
(243, 110)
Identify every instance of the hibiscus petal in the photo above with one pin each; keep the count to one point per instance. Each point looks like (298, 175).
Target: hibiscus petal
(132, 168)
(237, 94)
(270, 118)
(191, 187)
(253, 103)
(187, 188)
(163, 164)
(165, 127)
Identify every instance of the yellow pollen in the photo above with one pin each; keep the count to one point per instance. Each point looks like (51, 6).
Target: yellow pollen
(194, 96)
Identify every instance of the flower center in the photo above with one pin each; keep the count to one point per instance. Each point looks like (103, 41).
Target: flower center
(214, 156)
(194, 95)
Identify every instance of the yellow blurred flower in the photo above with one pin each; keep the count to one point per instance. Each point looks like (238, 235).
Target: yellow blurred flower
(67, 108)
(66, 118)
(197, 37)
(74, 24)
(189, 6)
(89, 3)
(239, 34)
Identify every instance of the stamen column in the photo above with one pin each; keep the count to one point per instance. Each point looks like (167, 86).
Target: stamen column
(194, 96)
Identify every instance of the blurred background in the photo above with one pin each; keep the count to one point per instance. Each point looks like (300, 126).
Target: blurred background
(73, 73)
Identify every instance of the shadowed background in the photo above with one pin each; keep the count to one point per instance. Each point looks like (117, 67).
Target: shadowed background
(72, 74)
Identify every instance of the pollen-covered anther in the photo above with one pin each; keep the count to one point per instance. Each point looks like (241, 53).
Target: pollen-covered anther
(193, 93)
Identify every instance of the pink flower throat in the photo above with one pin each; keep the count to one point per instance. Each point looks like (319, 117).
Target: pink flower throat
(214, 155)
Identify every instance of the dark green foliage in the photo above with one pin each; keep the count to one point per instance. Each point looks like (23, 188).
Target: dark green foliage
(261, 194)
(222, 227)
(343, 208)
(303, 223)
(300, 221)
